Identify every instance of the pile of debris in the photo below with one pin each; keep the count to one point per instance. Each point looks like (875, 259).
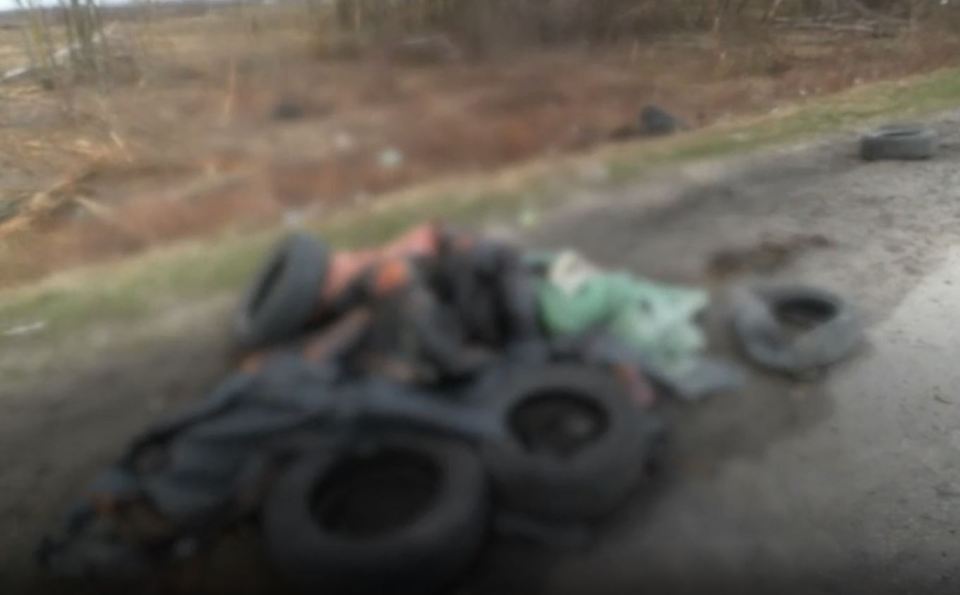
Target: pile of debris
(390, 408)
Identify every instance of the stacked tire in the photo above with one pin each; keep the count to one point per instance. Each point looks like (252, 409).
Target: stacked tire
(398, 510)
(283, 299)
(324, 527)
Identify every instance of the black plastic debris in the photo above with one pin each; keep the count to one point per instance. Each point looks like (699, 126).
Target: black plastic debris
(656, 121)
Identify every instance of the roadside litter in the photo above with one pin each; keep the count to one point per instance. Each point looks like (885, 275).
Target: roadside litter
(652, 121)
(795, 330)
(656, 121)
(906, 143)
(653, 325)
(392, 408)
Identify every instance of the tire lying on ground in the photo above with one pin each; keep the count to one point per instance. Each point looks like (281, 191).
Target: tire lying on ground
(283, 298)
(898, 142)
(408, 515)
(794, 329)
(574, 445)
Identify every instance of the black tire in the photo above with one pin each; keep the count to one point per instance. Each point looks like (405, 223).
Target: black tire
(284, 296)
(423, 555)
(584, 478)
(898, 142)
(656, 121)
(765, 322)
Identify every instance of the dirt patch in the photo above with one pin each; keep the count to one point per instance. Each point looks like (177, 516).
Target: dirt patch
(89, 421)
(769, 255)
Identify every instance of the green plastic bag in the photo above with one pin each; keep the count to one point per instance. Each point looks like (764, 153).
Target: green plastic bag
(656, 320)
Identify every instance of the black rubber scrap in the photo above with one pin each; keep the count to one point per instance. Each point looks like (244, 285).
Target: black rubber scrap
(907, 143)
(328, 524)
(284, 296)
(794, 329)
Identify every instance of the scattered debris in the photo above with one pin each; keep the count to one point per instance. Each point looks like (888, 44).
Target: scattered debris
(390, 158)
(444, 359)
(438, 331)
(795, 330)
(652, 121)
(656, 320)
(646, 323)
(905, 143)
(656, 121)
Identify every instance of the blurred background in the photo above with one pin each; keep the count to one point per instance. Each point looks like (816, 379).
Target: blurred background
(127, 125)
(169, 144)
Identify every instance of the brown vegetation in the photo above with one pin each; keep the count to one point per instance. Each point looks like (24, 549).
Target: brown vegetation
(244, 115)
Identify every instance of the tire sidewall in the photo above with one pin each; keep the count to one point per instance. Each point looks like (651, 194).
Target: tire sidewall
(290, 301)
(590, 483)
(420, 558)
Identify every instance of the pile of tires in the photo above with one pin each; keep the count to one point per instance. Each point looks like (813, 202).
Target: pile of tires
(408, 505)
(362, 478)
(395, 511)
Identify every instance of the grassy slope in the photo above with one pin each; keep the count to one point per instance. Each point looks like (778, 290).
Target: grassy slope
(151, 283)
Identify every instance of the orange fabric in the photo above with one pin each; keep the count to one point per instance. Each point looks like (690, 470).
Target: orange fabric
(392, 275)
(345, 267)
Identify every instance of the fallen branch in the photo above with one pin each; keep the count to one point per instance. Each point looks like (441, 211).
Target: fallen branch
(42, 205)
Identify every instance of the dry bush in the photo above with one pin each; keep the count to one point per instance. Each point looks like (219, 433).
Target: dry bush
(491, 23)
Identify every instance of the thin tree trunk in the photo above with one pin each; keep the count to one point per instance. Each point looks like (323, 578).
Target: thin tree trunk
(772, 10)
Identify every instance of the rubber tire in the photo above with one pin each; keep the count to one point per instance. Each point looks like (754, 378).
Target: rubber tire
(590, 483)
(909, 143)
(283, 298)
(765, 341)
(424, 557)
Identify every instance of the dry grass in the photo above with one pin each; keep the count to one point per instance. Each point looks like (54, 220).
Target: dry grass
(190, 147)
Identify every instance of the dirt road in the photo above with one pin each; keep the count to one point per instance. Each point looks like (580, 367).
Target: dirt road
(817, 487)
